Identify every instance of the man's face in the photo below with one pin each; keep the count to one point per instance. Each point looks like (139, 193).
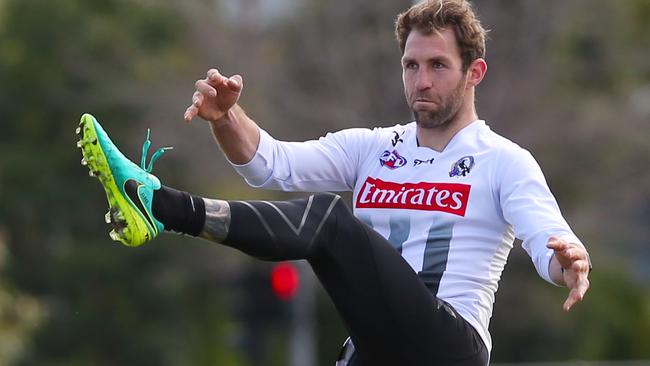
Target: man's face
(434, 83)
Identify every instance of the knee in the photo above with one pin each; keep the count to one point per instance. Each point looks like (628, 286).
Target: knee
(338, 222)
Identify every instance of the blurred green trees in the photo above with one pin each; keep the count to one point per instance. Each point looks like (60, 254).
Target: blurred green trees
(101, 304)
(568, 80)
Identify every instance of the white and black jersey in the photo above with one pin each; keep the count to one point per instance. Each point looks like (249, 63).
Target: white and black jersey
(452, 215)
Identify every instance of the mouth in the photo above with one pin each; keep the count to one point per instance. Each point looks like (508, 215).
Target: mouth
(422, 102)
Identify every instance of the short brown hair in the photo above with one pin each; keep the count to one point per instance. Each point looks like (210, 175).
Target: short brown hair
(435, 15)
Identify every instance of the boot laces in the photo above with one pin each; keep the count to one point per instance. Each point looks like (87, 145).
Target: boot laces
(156, 155)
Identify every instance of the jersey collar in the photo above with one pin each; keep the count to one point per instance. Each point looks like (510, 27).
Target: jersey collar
(456, 139)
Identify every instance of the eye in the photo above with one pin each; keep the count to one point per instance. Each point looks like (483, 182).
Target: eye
(438, 65)
(410, 66)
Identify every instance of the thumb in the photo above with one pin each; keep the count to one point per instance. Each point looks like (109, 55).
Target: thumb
(555, 243)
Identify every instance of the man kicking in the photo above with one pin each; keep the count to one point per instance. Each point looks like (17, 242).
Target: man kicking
(437, 202)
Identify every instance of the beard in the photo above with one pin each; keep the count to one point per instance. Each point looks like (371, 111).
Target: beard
(446, 112)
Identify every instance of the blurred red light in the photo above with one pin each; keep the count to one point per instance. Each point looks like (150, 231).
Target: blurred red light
(285, 280)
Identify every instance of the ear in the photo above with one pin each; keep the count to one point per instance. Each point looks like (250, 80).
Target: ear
(476, 71)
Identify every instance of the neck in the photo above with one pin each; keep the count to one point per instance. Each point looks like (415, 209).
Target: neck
(437, 138)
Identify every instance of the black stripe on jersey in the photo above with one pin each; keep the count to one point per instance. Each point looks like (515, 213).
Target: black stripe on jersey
(400, 228)
(436, 253)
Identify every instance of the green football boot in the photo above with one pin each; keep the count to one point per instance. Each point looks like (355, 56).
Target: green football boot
(129, 188)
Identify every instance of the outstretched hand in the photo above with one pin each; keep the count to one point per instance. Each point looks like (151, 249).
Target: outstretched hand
(574, 261)
(214, 96)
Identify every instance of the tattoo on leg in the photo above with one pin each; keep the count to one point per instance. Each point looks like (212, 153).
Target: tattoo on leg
(217, 220)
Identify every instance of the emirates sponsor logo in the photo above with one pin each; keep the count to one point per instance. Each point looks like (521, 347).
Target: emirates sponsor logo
(446, 197)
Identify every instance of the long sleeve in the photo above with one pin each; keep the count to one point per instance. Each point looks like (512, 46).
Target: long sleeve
(327, 164)
(530, 207)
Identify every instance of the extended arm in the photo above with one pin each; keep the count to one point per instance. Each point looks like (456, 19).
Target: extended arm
(530, 207)
(327, 164)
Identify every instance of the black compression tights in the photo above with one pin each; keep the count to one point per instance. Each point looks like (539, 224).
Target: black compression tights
(391, 316)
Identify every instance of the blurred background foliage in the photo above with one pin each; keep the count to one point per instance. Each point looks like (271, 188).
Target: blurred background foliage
(569, 80)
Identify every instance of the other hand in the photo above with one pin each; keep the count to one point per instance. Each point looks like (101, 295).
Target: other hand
(214, 96)
(574, 260)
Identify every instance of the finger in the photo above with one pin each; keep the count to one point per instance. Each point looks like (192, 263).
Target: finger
(235, 83)
(576, 253)
(190, 113)
(215, 78)
(573, 259)
(580, 266)
(575, 296)
(197, 99)
(568, 304)
(577, 293)
(571, 254)
(204, 87)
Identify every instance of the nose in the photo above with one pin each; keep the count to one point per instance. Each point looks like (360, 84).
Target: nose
(422, 80)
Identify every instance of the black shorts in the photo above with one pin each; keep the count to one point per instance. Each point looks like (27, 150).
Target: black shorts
(391, 316)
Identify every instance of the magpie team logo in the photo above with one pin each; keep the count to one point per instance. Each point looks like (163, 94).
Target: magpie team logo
(462, 167)
(392, 159)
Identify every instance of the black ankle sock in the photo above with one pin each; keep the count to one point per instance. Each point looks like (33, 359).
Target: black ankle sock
(179, 211)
